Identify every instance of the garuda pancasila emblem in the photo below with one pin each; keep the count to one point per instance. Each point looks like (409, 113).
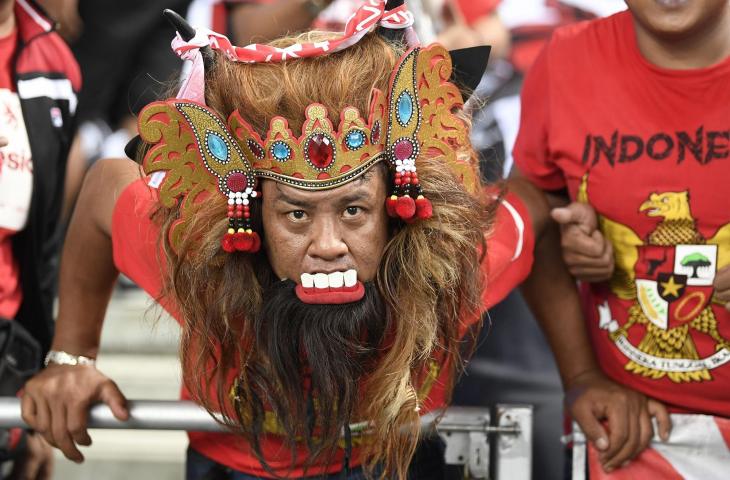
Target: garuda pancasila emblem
(669, 278)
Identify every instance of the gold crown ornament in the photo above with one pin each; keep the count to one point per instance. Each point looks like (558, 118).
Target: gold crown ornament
(321, 157)
(204, 154)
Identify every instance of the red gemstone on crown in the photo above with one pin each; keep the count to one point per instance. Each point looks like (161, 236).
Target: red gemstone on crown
(236, 182)
(256, 149)
(320, 151)
(375, 133)
(403, 149)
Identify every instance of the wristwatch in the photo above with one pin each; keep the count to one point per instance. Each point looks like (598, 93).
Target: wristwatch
(62, 358)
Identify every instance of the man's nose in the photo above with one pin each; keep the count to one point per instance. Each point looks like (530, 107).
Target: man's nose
(327, 241)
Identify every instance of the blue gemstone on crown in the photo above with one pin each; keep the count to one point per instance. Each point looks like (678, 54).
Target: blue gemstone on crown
(217, 146)
(405, 108)
(280, 151)
(355, 139)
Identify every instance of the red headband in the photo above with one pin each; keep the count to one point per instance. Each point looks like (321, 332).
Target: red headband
(370, 14)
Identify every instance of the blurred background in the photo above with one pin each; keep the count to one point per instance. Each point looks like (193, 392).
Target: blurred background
(124, 52)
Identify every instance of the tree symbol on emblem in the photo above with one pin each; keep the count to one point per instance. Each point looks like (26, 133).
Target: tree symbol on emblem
(695, 261)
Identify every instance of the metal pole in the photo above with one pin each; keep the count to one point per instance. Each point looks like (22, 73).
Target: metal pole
(187, 415)
(143, 415)
(465, 430)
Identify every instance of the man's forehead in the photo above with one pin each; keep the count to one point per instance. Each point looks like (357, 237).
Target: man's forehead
(366, 186)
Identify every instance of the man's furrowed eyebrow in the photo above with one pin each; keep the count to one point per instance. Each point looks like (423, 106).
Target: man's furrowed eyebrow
(362, 195)
(281, 196)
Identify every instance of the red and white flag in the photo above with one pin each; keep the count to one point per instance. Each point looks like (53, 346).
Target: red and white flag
(698, 449)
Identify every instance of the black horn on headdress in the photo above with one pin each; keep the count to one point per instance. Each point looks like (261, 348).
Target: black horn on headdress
(469, 65)
(187, 32)
(392, 34)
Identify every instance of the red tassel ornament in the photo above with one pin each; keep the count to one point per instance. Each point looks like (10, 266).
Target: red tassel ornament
(390, 204)
(227, 242)
(424, 209)
(405, 207)
(243, 241)
(407, 187)
(240, 237)
(256, 242)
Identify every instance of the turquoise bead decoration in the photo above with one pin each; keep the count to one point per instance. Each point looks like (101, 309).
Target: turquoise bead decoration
(217, 147)
(405, 108)
(280, 151)
(355, 139)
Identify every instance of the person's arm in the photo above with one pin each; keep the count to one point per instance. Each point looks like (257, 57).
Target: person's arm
(590, 396)
(56, 401)
(75, 172)
(551, 292)
(281, 17)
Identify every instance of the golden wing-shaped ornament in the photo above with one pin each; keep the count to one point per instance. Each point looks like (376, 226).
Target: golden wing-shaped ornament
(422, 116)
(193, 146)
(626, 245)
(722, 240)
(442, 130)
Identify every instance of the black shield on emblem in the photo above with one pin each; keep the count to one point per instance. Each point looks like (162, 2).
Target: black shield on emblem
(671, 285)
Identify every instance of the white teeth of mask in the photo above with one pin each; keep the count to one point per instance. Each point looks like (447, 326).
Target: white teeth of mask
(336, 279)
(331, 280)
(320, 280)
(350, 278)
(307, 280)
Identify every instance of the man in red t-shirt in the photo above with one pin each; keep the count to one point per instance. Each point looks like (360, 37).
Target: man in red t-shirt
(322, 279)
(39, 79)
(629, 115)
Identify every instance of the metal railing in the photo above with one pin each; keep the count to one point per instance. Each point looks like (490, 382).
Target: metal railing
(467, 431)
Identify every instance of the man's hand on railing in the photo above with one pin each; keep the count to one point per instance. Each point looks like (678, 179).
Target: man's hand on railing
(56, 404)
(617, 420)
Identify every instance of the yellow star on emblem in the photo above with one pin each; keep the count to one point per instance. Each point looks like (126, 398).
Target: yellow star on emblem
(670, 287)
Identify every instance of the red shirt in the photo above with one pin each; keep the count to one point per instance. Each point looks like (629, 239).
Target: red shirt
(471, 10)
(134, 239)
(648, 148)
(16, 178)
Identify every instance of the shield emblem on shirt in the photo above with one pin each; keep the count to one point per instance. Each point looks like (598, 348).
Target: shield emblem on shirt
(674, 283)
(671, 285)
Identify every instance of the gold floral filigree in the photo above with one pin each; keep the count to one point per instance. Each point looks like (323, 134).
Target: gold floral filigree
(434, 128)
(443, 131)
(178, 132)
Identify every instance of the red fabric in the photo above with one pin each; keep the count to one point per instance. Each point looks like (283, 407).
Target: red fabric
(369, 14)
(8, 44)
(473, 10)
(697, 448)
(50, 55)
(11, 295)
(219, 18)
(509, 250)
(649, 464)
(136, 254)
(593, 105)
